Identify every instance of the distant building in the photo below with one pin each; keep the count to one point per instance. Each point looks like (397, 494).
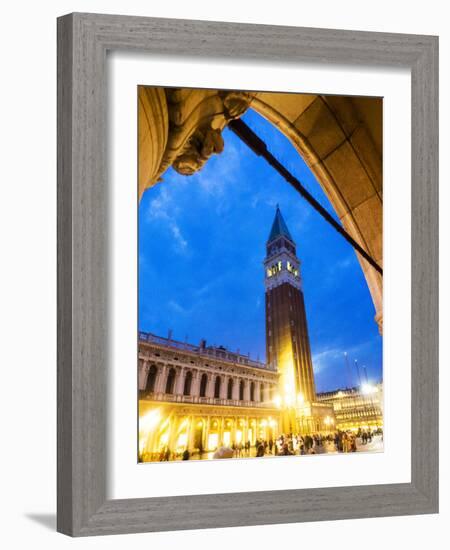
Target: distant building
(356, 408)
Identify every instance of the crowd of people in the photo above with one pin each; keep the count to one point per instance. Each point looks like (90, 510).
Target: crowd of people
(294, 444)
(285, 445)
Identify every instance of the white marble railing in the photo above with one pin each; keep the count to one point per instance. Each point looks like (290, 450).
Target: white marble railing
(203, 400)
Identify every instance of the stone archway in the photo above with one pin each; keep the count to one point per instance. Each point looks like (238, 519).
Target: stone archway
(340, 138)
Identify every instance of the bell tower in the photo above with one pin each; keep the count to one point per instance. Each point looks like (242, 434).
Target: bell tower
(287, 340)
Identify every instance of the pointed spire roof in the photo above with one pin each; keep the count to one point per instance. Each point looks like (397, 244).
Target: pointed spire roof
(279, 227)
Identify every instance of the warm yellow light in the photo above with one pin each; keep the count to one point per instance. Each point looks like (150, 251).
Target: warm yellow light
(183, 424)
(277, 401)
(368, 389)
(182, 440)
(164, 425)
(149, 421)
(263, 422)
(289, 395)
(213, 441)
(238, 436)
(300, 399)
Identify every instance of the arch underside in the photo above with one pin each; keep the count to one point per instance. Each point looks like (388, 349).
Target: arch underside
(340, 139)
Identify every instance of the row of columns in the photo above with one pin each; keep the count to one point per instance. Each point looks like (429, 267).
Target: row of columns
(263, 391)
(181, 432)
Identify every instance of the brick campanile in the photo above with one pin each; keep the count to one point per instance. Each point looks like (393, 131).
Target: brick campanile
(287, 340)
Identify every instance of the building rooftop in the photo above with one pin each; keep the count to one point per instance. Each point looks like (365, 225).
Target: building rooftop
(218, 352)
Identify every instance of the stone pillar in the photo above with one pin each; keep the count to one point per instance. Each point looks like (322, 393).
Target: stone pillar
(160, 386)
(153, 134)
(179, 381)
(206, 433)
(224, 387)
(221, 425)
(262, 392)
(257, 391)
(247, 390)
(236, 382)
(233, 430)
(245, 434)
(210, 386)
(191, 433)
(195, 387)
(143, 374)
(173, 434)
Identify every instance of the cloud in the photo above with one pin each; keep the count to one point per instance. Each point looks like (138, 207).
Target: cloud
(164, 209)
(181, 241)
(219, 173)
(178, 308)
(324, 359)
(327, 358)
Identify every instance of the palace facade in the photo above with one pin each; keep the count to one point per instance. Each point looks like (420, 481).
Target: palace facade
(356, 408)
(199, 398)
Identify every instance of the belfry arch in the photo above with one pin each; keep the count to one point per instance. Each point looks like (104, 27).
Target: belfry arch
(340, 139)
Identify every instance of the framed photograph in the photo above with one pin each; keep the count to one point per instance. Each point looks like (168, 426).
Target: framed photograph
(247, 274)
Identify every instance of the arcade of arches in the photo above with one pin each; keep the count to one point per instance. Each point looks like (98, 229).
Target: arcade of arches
(200, 398)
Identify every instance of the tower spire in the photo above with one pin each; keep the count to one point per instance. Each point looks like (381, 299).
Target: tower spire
(279, 227)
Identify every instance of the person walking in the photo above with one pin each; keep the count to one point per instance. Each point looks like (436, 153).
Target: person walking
(260, 451)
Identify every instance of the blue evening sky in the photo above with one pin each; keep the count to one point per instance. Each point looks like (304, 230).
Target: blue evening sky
(201, 247)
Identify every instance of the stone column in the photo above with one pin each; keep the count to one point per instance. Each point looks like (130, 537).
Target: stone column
(195, 387)
(221, 425)
(210, 386)
(233, 430)
(160, 386)
(191, 433)
(257, 391)
(143, 374)
(173, 434)
(236, 382)
(224, 387)
(206, 433)
(247, 390)
(179, 381)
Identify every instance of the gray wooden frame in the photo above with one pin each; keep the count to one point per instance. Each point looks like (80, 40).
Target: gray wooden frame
(83, 40)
